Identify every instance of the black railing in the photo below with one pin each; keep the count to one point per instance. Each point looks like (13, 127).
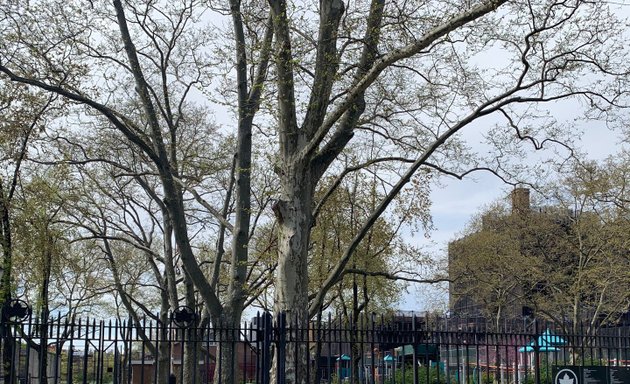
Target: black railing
(371, 350)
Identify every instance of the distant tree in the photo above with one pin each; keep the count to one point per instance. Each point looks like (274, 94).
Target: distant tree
(25, 112)
(584, 278)
(489, 268)
(57, 277)
(565, 260)
(336, 222)
(40, 241)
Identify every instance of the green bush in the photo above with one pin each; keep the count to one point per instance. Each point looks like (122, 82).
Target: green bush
(434, 376)
(487, 378)
(545, 375)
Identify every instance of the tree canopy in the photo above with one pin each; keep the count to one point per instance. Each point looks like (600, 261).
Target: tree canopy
(302, 94)
(565, 260)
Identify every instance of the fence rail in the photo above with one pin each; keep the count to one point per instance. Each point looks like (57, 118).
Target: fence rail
(371, 350)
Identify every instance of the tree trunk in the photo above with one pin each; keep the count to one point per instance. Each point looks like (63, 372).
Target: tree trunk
(317, 372)
(164, 349)
(191, 356)
(356, 358)
(164, 360)
(227, 366)
(7, 344)
(294, 214)
(190, 347)
(227, 357)
(43, 327)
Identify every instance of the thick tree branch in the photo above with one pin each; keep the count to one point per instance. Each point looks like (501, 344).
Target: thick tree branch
(172, 191)
(485, 109)
(241, 58)
(345, 131)
(253, 100)
(142, 87)
(242, 171)
(396, 277)
(384, 62)
(123, 124)
(326, 64)
(289, 134)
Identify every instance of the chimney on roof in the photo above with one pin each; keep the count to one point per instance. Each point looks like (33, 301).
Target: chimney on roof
(520, 200)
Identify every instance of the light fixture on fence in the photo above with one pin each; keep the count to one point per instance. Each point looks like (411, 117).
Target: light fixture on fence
(183, 317)
(16, 311)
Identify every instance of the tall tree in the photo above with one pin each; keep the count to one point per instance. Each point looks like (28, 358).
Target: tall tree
(565, 260)
(585, 265)
(404, 78)
(490, 269)
(24, 116)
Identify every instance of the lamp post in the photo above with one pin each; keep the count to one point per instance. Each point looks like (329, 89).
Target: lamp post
(184, 318)
(13, 311)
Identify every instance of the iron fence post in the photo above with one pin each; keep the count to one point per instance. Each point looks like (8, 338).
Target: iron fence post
(265, 366)
(281, 330)
(536, 352)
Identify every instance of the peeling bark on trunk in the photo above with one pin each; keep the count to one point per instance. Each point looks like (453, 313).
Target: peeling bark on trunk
(292, 282)
(294, 214)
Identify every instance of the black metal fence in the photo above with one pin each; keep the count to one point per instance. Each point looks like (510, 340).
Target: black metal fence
(397, 349)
